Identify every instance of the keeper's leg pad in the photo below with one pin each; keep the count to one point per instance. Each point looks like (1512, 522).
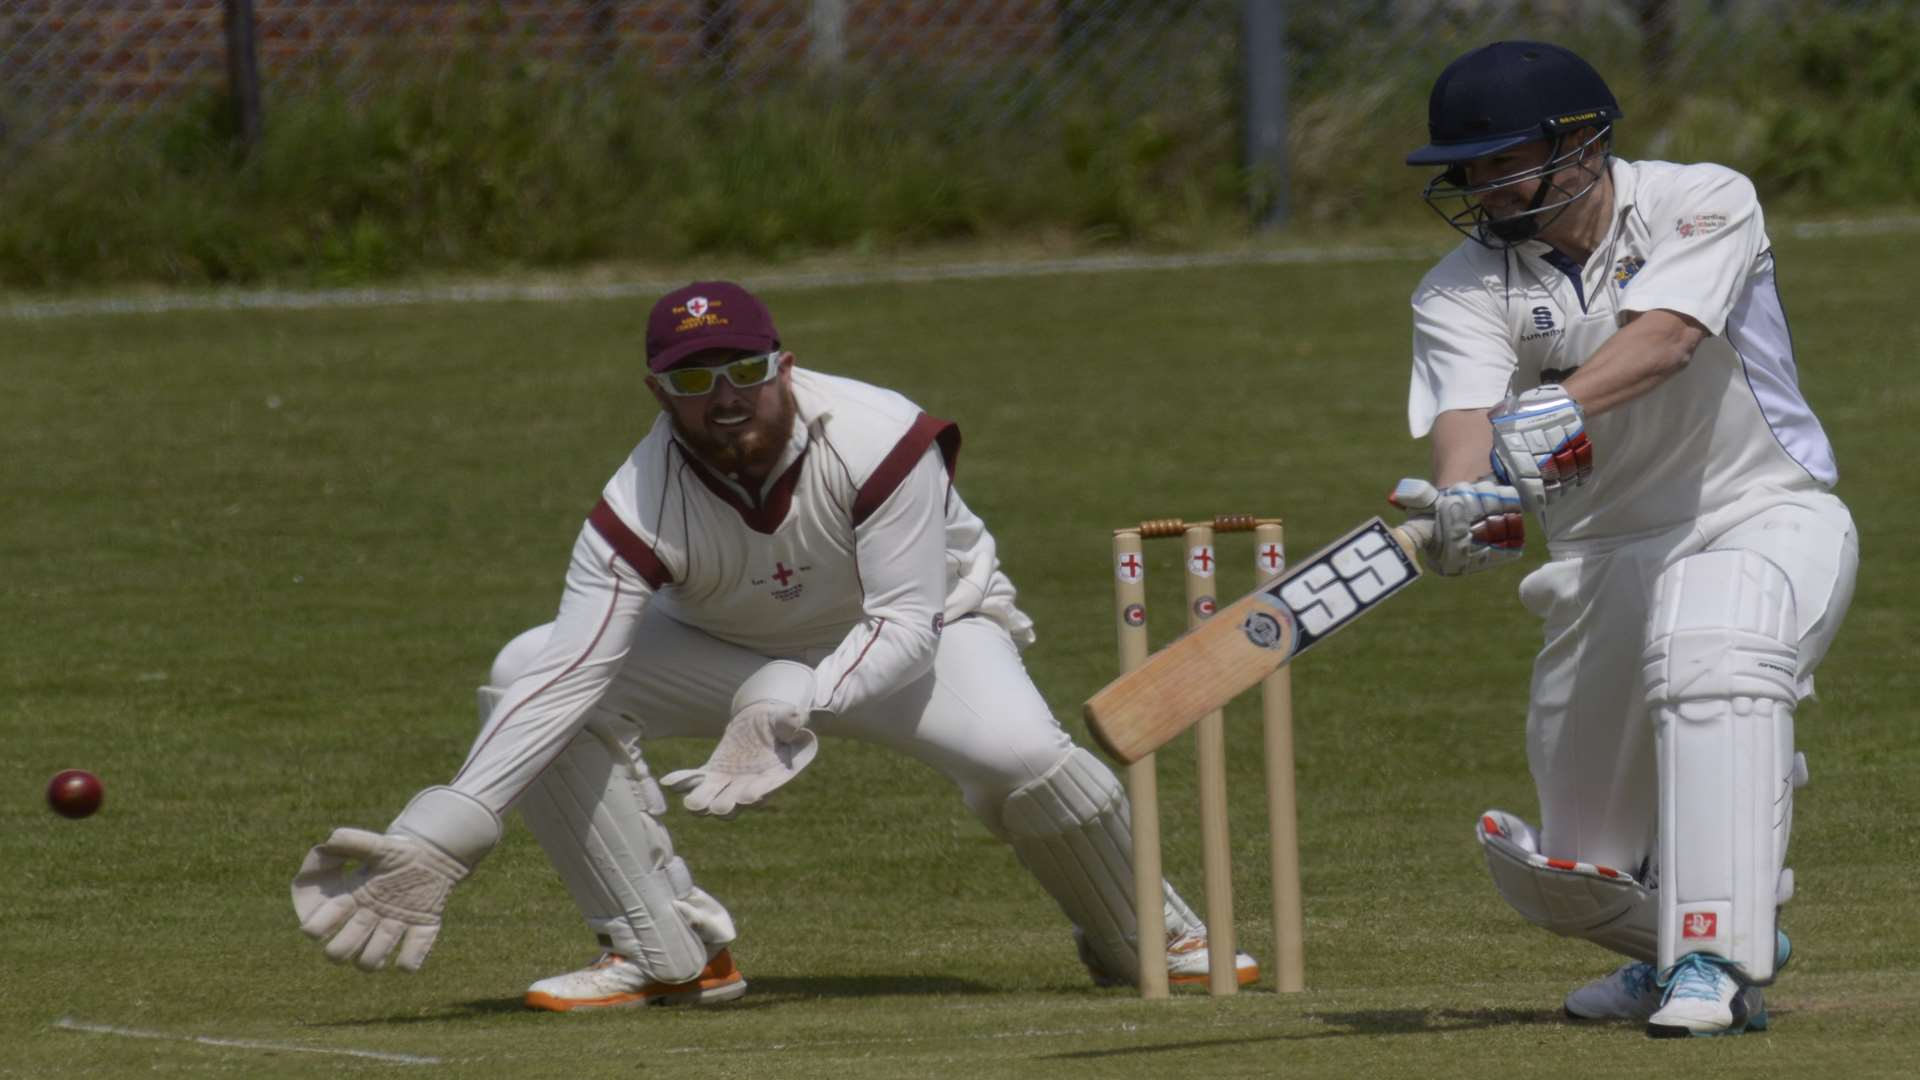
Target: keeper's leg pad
(1071, 831)
(595, 811)
(1575, 899)
(1721, 665)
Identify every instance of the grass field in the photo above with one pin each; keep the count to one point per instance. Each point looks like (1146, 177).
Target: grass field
(254, 564)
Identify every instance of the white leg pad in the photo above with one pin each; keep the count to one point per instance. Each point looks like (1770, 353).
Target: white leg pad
(595, 812)
(1721, 668)
(1575, 899)
(1070, 829)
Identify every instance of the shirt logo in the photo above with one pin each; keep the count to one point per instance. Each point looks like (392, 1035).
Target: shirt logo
(785, 588)
(1542, 325)
(1700, 225)
(1624, 270)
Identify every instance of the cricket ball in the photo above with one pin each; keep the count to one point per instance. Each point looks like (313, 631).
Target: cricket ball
(75, 793)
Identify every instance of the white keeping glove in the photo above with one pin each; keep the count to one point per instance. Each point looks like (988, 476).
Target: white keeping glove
(1540, 445)
(395, 896)
(1476, 525)
(765, 745)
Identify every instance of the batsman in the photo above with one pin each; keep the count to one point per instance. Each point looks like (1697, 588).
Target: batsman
(783, 557)
(1607, 352)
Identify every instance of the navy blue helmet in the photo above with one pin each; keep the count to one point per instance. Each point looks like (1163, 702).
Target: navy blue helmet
(1505, 95)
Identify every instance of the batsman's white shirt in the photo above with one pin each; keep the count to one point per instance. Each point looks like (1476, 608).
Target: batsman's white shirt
(1686, 238)
(852, 557)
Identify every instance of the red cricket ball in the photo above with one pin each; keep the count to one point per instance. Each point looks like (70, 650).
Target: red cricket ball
(75, 793)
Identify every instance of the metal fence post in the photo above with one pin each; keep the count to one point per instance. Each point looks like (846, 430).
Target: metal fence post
(827, 35)
(1263, 49)
(243, 74)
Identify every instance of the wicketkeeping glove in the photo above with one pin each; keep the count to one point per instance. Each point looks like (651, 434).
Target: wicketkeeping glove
(1476, 526)
(394, 897)
(1540, 445)
(765, 745)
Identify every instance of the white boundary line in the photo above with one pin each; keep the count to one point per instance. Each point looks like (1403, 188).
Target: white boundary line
(70, 1024)
(311, 299)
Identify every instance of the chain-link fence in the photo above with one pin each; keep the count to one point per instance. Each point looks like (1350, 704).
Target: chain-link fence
(80, 66)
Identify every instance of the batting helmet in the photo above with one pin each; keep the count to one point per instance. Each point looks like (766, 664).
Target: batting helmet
(1504, 95)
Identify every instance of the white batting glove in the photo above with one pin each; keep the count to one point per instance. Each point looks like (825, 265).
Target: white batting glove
(1475, 526)
(394, 897)
(765, 745)
(1540, 445)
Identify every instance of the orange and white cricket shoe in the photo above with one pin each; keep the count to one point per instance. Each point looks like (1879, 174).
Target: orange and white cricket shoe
(1187, 962)
(613, 981)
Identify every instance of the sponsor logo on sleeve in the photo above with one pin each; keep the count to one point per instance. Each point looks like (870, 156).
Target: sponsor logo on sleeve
(1700, 225)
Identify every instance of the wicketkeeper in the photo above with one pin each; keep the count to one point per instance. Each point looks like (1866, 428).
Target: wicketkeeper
(784, 556)
(1611, 341)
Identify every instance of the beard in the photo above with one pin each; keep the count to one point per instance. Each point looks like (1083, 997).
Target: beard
(751, 449)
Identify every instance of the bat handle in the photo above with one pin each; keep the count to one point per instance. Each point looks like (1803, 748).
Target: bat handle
(1414, 535)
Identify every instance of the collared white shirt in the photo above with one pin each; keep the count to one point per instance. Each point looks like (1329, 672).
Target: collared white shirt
(1685, 238)
(853, 555)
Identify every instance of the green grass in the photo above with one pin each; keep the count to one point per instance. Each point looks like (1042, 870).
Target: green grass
(255, 563)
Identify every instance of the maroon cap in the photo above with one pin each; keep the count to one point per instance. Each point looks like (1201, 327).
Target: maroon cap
(707, 315)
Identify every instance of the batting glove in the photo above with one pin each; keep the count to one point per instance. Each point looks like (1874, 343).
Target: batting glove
(1540, 445)
(1475, 526)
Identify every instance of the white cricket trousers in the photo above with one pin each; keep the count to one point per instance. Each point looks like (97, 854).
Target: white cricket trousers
(976, 718)
(1590, 742)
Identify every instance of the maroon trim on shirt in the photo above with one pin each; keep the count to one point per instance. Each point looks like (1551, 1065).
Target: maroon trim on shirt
(906, 453)
(868, 647)
(548, 685)
(766, 517)
(627, 543)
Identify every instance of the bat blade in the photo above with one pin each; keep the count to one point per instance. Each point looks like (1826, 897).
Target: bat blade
(1246, 641)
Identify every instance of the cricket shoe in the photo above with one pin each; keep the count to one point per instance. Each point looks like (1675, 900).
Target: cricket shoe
(1633, 992)
(613, 981)
(1187, 962)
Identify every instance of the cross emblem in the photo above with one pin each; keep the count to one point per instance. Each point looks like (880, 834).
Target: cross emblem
(1270, 558)
(1204, 558)
(1130, 567)
(781, 573)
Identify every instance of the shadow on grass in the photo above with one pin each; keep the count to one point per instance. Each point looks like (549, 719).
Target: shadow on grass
(764, 992)
(1348, 1024)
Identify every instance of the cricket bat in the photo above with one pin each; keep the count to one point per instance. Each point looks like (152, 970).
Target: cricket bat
(1246, 641)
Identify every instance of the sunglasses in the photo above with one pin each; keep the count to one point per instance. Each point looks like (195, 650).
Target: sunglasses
(744, 373)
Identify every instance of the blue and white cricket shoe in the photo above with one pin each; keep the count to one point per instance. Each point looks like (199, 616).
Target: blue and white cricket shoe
(1633, 992)
(1703, 995)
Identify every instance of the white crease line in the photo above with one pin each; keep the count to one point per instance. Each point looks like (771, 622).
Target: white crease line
(70, 1024)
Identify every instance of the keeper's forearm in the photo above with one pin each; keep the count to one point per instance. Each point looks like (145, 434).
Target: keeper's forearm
(1646, 352)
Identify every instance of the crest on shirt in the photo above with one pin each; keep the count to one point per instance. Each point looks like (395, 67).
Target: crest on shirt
(1625, 268)
(1699, 225)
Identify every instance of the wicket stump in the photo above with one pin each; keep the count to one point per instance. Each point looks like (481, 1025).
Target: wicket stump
(1130, 612)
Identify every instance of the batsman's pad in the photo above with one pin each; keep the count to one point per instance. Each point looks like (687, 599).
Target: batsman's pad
(1721, 665)
(595, 812)
(1576, 899)
(1070, 829)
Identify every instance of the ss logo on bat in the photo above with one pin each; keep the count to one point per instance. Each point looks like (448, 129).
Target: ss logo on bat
(1339, 585)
